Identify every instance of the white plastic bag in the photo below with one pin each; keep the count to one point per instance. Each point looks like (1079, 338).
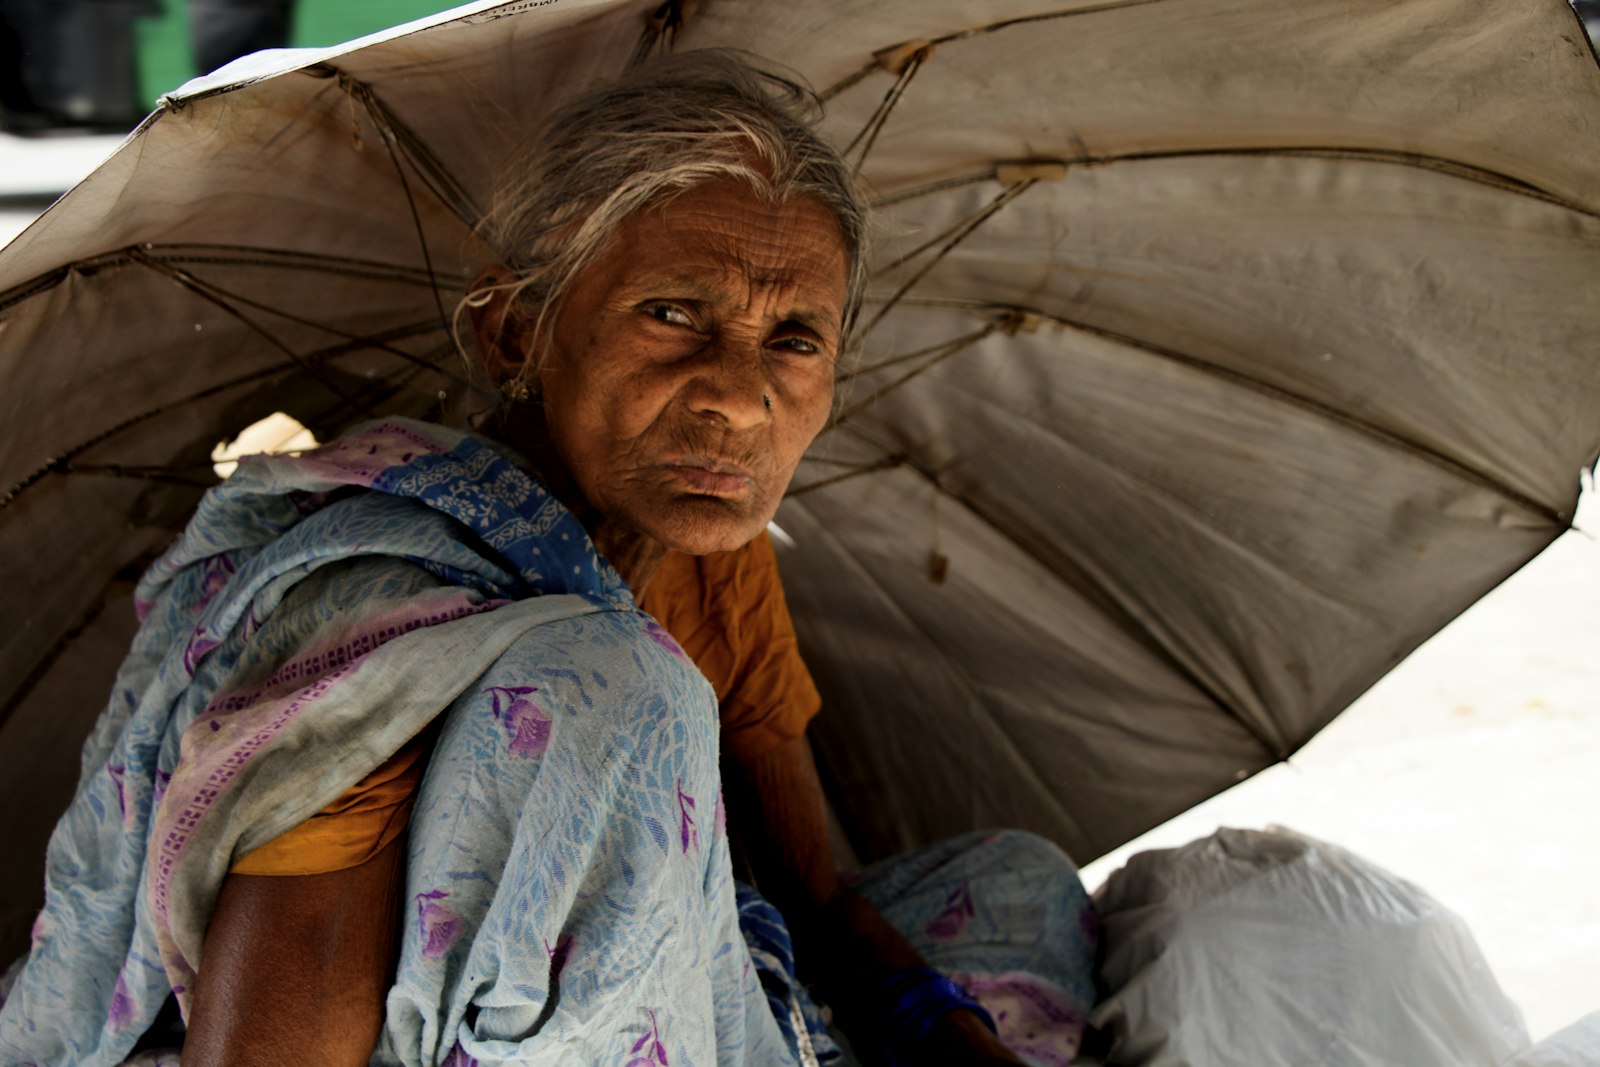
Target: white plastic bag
(1577, 1045)
(1265, 948)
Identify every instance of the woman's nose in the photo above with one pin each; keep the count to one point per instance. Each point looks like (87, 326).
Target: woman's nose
(730, 383)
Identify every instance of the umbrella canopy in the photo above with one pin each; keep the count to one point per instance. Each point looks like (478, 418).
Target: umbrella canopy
(1220, 351)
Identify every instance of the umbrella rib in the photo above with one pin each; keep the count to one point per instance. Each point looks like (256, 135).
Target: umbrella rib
(829, 461)
(53, 464)
(964, 228)
(661, 26)
(287, 259)
(188, 281)
(941, 186)
(1173, 504)
(1090, 588)
(367, 342)
(169, 475)
(866, 71)
(173, 473)
(397, 134)
(856, 471)
(880, 116)
(52, 656)
(959, 233)
(1417, 160)
(941, 353)
(1043, 16)
(906, 357)
(262, 257)
(380, 391)
(953, 671)
(386, 125)
(1274, 392)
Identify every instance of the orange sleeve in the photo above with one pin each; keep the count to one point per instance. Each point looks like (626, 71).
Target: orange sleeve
(352, 829)
(729, 613)
(771, 698)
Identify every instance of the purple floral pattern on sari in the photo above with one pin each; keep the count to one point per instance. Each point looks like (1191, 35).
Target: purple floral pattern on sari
(948, 924)
(1034, 1017)
(214, 577)
(559, 954)
(198, 646)
(438, 925)
(119, 776)
(526, 724)
(648, 1051)
(689, 833)
(664, 639)
(123, 1011)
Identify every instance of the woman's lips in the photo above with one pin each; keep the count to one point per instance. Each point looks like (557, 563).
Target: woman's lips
(708, 476)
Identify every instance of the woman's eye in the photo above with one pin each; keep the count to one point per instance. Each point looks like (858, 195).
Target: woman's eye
(669, 313)
(798, 344)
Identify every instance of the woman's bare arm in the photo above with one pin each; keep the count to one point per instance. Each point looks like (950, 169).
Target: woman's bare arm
(295, 968)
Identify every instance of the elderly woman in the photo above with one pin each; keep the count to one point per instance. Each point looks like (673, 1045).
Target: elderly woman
(683, 262)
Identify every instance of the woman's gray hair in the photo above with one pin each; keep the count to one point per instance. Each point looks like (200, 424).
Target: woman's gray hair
(680, 122)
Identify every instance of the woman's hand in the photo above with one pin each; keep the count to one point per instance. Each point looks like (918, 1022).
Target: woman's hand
(842, 942)
(961, 1039)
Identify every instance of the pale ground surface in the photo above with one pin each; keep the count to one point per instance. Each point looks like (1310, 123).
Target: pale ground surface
(43, 166)
(1471, 769)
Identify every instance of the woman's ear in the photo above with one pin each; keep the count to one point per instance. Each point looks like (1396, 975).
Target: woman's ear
(499, 332)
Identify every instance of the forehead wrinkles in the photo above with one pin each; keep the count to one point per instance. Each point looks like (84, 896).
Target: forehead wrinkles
(759, 253)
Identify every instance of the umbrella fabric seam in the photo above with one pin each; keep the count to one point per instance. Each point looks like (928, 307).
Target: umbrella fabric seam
(1173, 507)
(1387, 437)
(852, 80)
(1443, 165)
(967, 685)
(1095, 591)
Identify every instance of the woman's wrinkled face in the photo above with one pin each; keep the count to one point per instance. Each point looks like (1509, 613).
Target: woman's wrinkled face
(692, 363)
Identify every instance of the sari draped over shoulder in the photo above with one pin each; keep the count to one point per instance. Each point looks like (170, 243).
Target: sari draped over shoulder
(568, 895)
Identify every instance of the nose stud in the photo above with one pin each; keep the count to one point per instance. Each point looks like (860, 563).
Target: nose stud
(766, 401)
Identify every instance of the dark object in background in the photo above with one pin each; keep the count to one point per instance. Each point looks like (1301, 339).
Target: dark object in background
(69, 64)
(224, 30)
(1589, 12)
(16, 95)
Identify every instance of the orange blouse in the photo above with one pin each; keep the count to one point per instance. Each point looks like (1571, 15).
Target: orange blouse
(728, 612)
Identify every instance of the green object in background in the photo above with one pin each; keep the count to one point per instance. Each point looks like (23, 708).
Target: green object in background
(166, 59)
(318, 23)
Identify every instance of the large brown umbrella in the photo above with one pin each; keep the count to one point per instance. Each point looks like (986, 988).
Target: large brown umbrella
(1220, 351)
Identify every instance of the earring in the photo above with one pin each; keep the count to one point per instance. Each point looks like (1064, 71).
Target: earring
(766, 401)
(515, 389)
